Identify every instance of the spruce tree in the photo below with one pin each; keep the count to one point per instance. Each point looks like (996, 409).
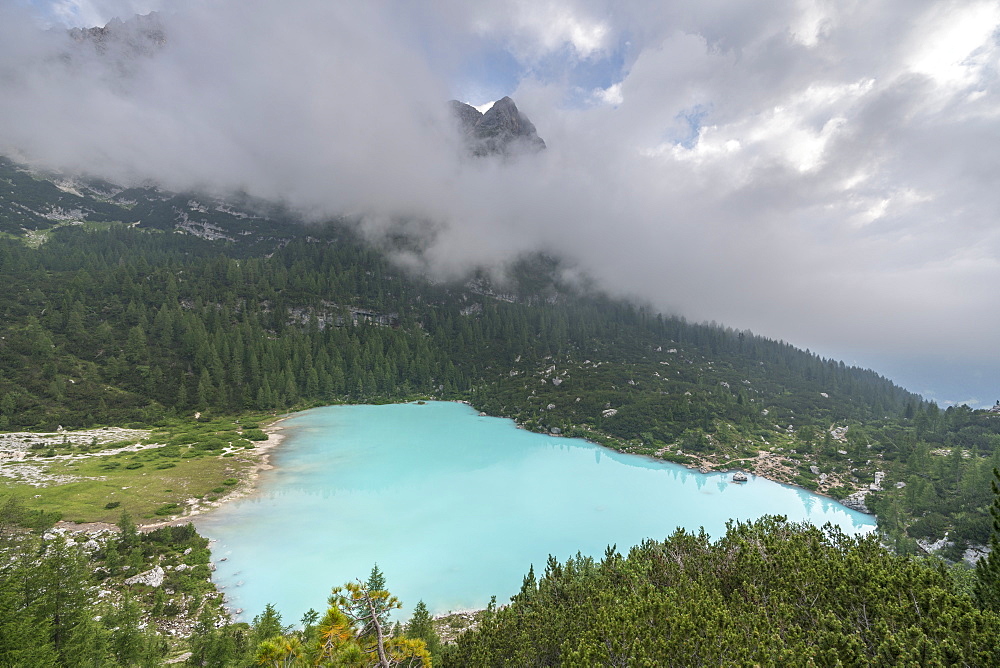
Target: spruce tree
(988, 568)
(421, 626)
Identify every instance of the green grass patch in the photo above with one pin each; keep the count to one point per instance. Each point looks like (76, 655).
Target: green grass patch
(140, 491)
(168, 509)
(145, 482)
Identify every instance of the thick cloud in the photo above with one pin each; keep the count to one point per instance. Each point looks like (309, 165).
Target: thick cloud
(819, 172)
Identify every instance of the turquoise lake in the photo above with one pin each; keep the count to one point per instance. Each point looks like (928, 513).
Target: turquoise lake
(455, 507)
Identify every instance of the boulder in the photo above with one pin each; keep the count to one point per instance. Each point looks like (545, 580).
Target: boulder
(151, 578)
(856, 501)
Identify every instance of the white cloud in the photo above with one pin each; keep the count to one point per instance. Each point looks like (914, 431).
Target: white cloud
(539, 27)
(817, 171)
(611, 95)
(812, 22)
(956, 41)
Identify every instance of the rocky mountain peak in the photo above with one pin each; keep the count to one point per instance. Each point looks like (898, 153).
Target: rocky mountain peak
(502, 130)
(139, 35)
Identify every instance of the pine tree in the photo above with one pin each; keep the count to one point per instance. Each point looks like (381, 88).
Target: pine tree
(988, 568)
(126, 639)
(375, 585)
(60, 598)
(421, 627)
(128, 538)
(358, 618)
(267, 625)
(376, 579)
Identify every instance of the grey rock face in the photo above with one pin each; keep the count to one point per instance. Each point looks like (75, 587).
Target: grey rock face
(467, 116)
(503, 130)
(139, 35)
(856, 501)
(152, 578)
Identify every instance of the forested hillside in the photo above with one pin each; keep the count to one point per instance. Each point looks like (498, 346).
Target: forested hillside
(130, 306)
(125, 323)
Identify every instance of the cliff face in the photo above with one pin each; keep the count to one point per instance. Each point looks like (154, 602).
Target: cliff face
(503, 130)
(138, 36)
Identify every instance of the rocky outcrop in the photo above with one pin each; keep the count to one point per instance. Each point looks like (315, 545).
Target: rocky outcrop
(856, 502)
(151, 578)
(930, 547)
(973, 553)
(503, 130)
(467, 115)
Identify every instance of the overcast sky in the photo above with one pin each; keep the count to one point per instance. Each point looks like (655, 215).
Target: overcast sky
(823, 172)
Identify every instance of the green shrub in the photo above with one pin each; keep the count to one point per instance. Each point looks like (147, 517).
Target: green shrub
(168, 509)
(255, 435)
(211, 444)
(933, 526)
(805, 482)
(111, 505)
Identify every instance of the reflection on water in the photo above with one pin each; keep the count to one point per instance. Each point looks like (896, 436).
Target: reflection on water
(454, 507)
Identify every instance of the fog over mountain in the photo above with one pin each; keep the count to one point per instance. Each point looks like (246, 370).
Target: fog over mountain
(822, 173)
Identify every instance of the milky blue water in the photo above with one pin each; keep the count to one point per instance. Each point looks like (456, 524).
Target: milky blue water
(455, 507)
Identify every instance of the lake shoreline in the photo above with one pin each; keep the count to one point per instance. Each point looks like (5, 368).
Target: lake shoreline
(261, 453)
(703, 464)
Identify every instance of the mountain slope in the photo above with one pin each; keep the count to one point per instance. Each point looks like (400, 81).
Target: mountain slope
(144, 304)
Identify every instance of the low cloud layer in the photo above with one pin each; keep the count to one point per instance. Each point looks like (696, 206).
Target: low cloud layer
(822, 173)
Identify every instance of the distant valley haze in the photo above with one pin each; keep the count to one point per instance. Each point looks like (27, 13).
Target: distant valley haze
(821, 173)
